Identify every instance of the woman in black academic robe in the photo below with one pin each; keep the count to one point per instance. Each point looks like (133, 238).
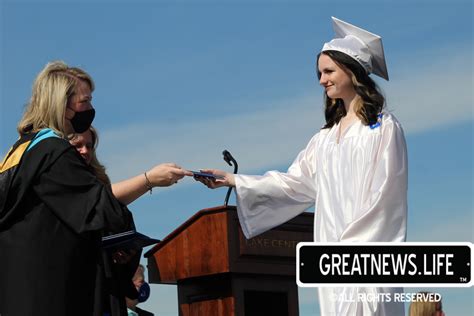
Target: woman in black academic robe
(50, 228)
(53, 210)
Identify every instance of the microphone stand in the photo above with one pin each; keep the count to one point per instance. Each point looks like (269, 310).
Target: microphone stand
(230, 160)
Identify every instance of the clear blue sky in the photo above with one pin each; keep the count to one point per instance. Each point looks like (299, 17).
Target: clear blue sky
(182, 80)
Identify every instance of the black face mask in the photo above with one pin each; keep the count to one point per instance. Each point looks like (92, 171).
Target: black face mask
(82, 120)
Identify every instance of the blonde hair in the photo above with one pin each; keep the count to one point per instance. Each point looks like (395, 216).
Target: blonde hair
(424, 308)
(51, 91)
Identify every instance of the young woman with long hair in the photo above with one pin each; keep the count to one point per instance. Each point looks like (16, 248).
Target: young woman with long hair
(354, 170)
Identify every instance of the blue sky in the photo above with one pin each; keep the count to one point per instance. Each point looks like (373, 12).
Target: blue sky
(182, 80)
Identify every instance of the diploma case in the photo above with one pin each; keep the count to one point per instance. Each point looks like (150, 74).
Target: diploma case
(218, 272)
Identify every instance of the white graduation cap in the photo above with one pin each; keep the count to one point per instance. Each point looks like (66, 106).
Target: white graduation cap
(365, 47)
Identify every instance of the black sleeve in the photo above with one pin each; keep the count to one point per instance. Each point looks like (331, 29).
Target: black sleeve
(76, 197)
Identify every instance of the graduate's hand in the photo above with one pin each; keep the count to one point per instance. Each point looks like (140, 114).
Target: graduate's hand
(225, 179)
(166, 174)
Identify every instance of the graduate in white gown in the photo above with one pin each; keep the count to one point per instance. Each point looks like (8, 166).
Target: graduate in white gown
(354, 170)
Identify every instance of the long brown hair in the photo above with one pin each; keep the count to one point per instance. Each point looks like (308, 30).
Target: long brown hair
(371, 100)
(97, 168)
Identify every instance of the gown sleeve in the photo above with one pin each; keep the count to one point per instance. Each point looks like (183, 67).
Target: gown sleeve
(383, 214)
(77, 198)
(264, 202)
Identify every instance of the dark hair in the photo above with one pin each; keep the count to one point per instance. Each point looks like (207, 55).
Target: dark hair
(372, 100)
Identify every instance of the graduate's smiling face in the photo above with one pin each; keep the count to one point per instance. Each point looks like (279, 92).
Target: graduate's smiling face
(84, 145)
(335, 80)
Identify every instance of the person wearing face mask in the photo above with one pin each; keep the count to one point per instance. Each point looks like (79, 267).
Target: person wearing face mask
(354, 170)
(53, 209)
(143, 293)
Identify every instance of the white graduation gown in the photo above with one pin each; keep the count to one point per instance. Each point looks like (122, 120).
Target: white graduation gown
(359, 189)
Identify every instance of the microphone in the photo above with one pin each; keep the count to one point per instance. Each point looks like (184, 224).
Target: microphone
(230, 161)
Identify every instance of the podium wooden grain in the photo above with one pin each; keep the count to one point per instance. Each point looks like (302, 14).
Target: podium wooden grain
(219, 272)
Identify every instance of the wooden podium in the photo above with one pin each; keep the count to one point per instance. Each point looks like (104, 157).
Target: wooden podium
(219, 272)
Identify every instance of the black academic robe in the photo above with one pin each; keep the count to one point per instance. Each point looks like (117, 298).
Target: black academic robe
(142, 312)
(53, 212)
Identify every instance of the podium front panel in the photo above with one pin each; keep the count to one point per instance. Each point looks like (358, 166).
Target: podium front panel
(272, 252)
